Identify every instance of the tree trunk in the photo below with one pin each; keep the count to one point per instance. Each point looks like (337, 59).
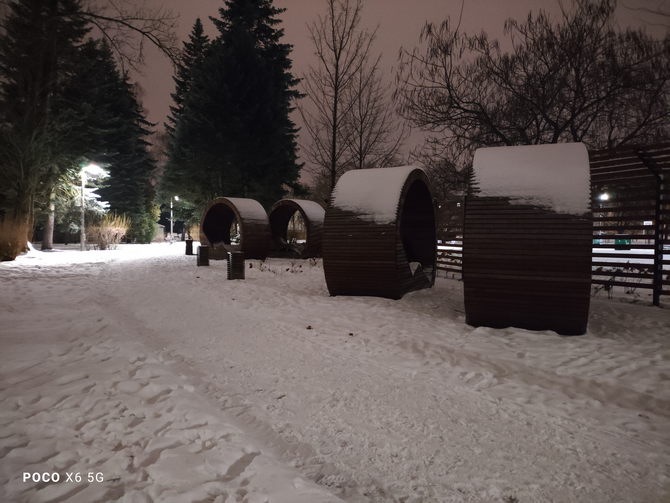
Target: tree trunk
(48, 237)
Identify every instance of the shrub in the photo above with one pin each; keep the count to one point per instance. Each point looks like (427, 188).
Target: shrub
(109, 232)
(159, 234)
(145, 230)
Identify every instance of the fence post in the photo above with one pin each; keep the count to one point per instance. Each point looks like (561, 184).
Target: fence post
(658, 241)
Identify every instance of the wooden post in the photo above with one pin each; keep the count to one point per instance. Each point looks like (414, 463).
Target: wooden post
(203, 255)
(658, 245)
(236, 265)
(658, 241)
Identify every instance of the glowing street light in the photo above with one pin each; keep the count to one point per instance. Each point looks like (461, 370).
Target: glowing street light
(94, 171)
(604, 197)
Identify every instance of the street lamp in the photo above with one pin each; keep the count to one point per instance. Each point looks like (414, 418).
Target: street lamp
(176, 198)
(603, 197)
(95, 171)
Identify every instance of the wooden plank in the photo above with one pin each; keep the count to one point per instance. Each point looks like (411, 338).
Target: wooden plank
(620, 256)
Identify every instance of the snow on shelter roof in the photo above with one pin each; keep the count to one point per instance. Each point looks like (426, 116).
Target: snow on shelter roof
(373, 194)
(314, 211)
(554, 176)
(249, 209)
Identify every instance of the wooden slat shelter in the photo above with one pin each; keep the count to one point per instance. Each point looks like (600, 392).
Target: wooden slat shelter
(254, 228)
(525, 265)
(313, 215)
(379, 233)
(631, 209)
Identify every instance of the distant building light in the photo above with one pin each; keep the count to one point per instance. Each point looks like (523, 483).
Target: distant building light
(604, 197)
(648, 222)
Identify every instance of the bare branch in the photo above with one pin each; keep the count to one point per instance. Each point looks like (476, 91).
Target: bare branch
(128, 28)
(342, 50)
(578, 79)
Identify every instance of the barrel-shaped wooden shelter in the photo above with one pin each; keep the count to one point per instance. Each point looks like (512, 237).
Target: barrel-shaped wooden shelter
(379, 233)
(527, 239)
(254, 228)
(280, 215)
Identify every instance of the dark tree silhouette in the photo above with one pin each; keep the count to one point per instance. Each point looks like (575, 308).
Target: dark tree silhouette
(233, 136)
(41, 48)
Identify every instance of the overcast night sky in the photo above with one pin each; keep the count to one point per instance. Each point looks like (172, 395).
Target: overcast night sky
(399, 21)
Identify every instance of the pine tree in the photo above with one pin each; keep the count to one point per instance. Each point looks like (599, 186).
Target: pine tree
(38, 47)
(63, 102)
(109, 128)
(192, 57)
(128, 190)
(234, 136)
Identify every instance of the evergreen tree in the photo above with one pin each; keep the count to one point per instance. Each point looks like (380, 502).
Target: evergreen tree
(192, 57)
(63, 102)
(107, 126)
(234, 136)
(37, 48)
(126, 151)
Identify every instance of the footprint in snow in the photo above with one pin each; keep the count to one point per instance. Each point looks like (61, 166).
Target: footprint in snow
(67, 379)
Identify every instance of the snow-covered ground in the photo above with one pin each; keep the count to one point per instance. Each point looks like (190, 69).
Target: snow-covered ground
(171, 384)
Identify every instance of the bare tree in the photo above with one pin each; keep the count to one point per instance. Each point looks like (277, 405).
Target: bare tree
(375, 133)
(342, 50)
(129, 27)
(579, 80)
(659, 10)
(448, 166)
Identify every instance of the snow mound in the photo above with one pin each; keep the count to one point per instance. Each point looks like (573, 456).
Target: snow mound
(555, 176)
(372, 193)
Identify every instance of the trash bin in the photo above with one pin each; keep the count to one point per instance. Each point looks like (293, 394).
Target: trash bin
(189, 247)
(236, 265)
(203, 255)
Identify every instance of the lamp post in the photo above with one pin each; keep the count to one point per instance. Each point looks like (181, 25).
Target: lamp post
(82, 232)
(603, 197)
(94, 170)
(176, 198)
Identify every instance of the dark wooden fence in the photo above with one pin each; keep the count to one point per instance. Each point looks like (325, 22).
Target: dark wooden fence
(631, 223)
(631, 211)
(449, 217)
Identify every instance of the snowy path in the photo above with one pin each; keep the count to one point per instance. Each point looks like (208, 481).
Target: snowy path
(377, 400)
(77, 397)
